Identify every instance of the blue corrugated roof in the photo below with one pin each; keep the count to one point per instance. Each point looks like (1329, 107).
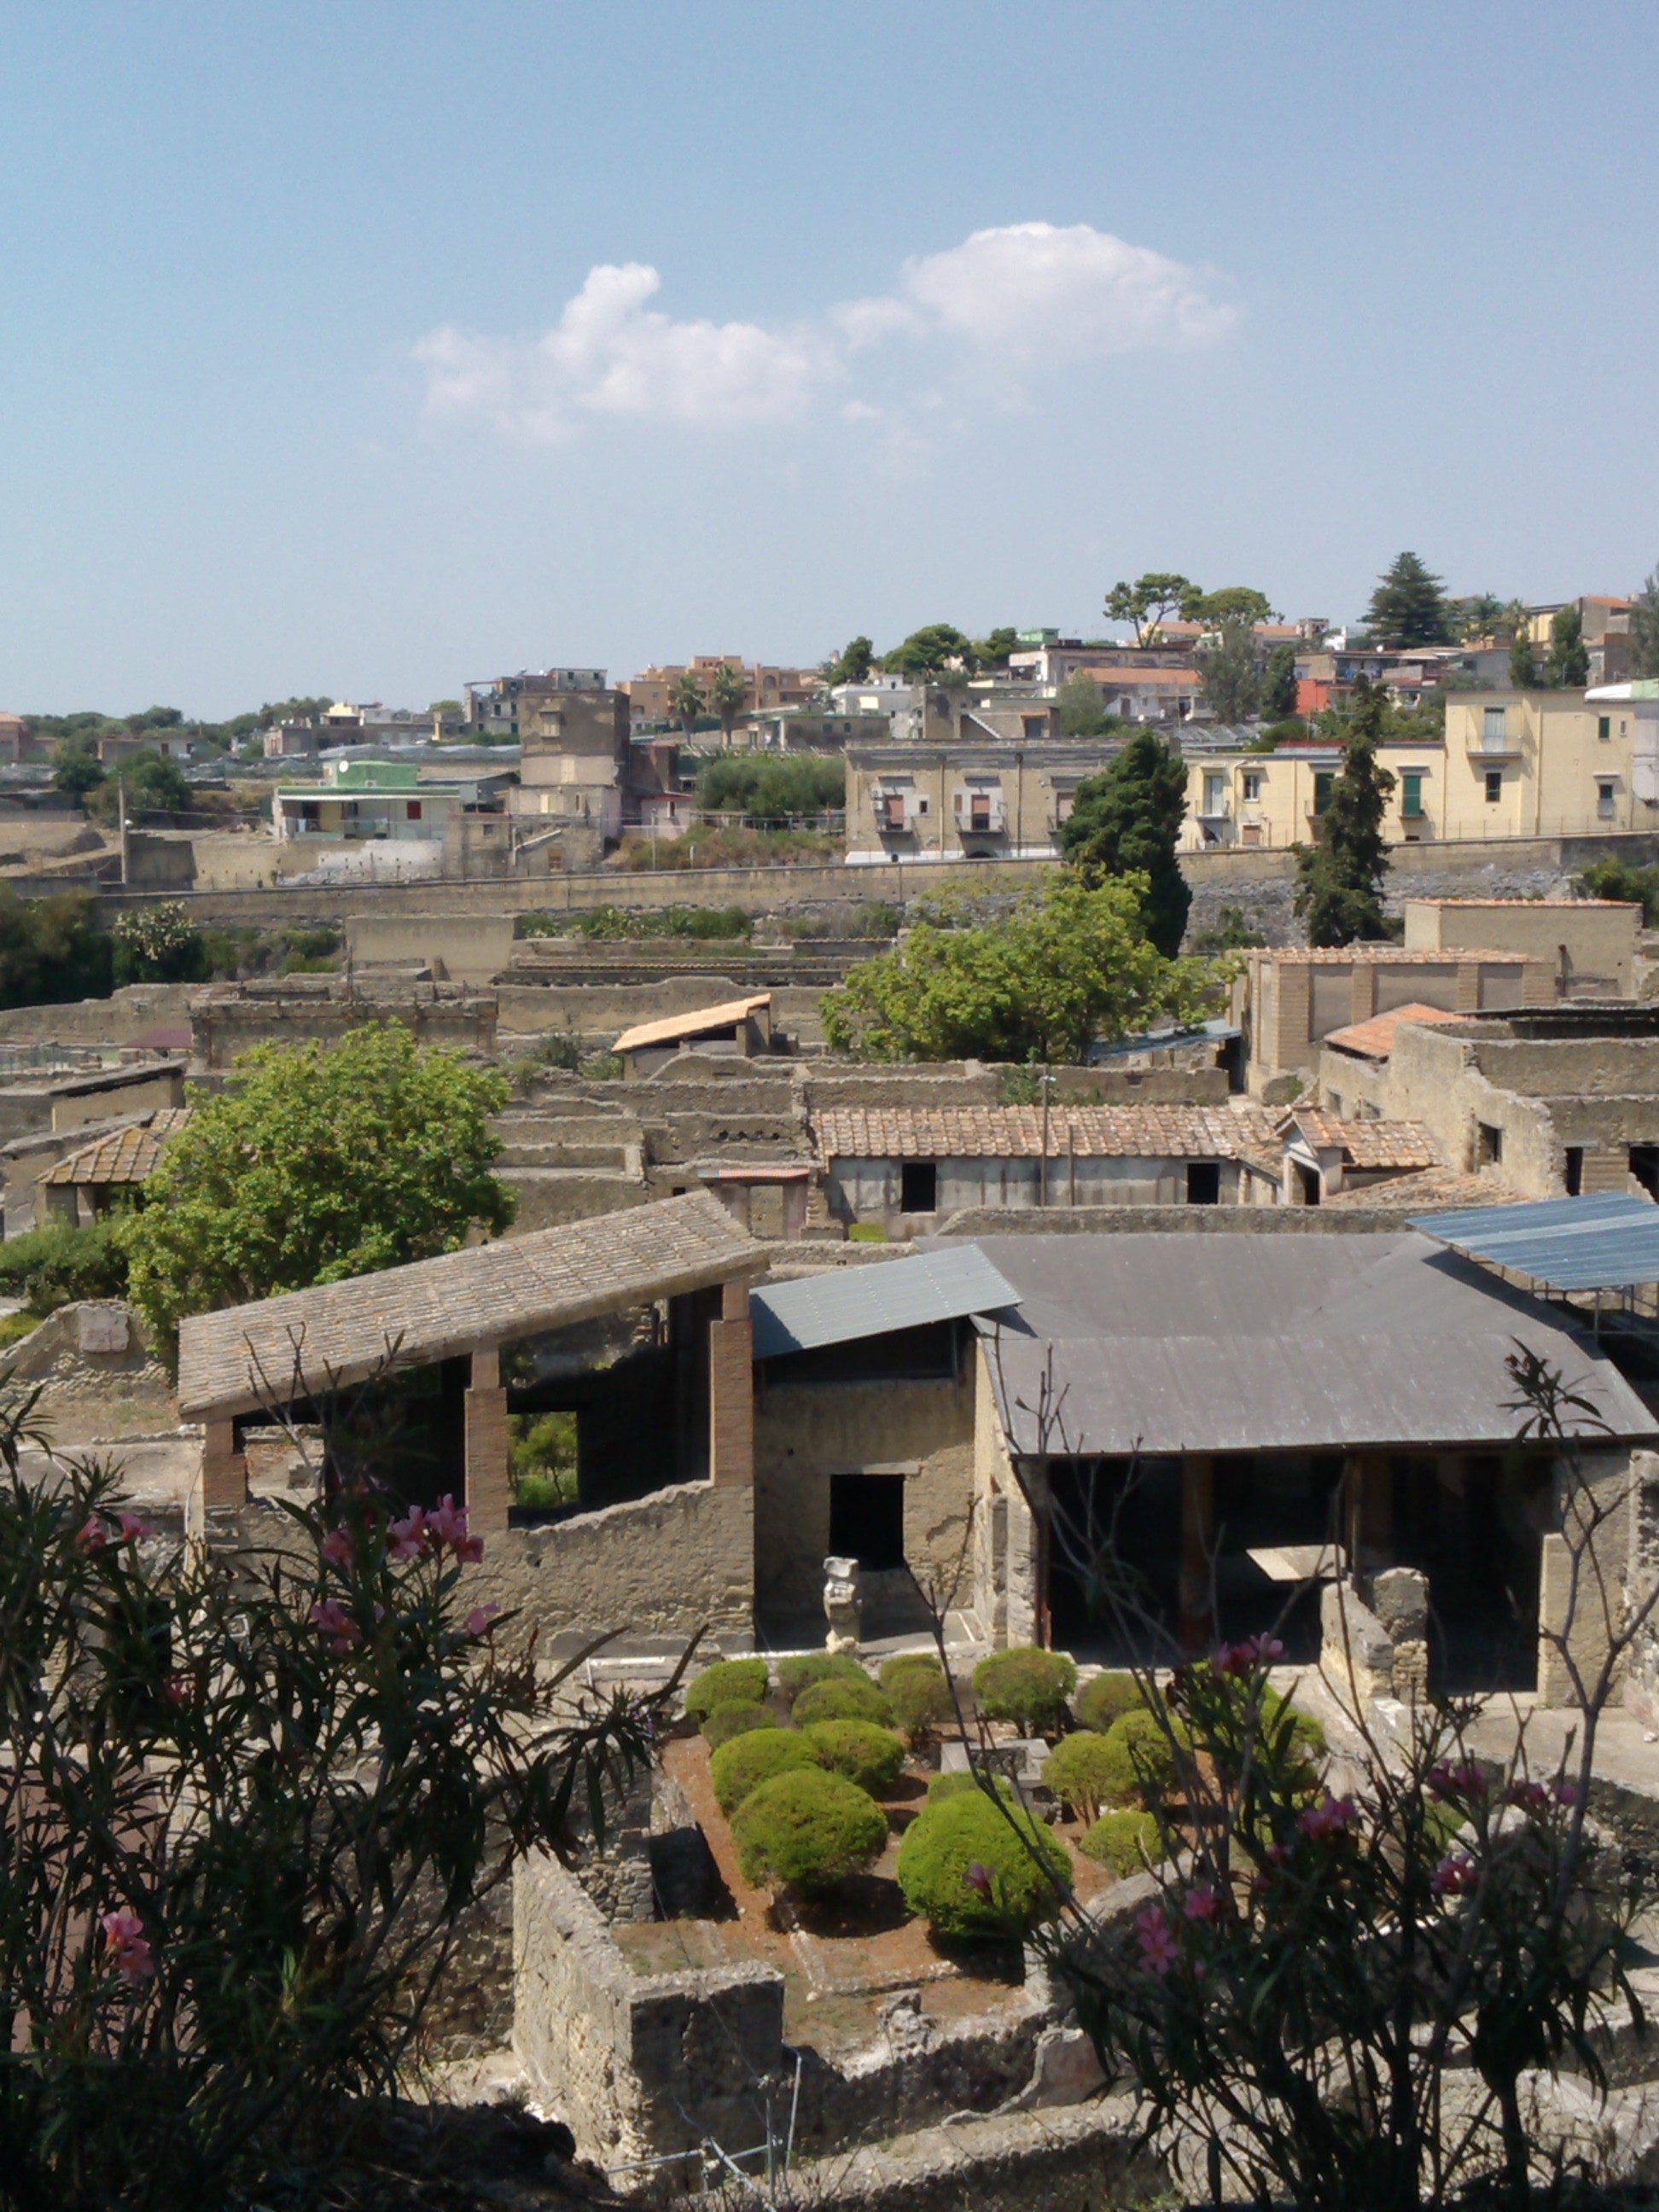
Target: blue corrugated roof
(1607, 1243)
(845, 1303)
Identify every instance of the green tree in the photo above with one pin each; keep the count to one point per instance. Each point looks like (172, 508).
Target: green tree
(1234, 603)
(1226, 674)
(1071, 964)
(317, 1162)
(1644, 627)
(50, 949)
(1567, 668)
(992, 651)
(853, 664)
(77, 769)
(728, 688)
(159, 945)
(685, 700)
(1278, 700)
(1150, 599)
(1479, 617)
(1082, 711)
(929, 652)
(1125, 822)
(1339, 894)
(1408, 606)
(1523, 662)
(772, 787)
(151, 784)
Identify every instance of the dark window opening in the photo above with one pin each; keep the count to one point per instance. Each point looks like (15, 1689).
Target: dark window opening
(1488, 1145)
(1644, 1166)
(1203, 1183)
(1312, 1190)
(1575, 1171)
(918, 1185)
(866, 1520)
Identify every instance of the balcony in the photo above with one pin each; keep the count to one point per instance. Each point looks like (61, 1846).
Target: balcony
(1489, 745)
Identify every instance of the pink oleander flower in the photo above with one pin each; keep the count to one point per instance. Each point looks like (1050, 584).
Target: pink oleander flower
(1200, 1902)
(1268, 1650)
(133, 1530)
(447, 1525)
(1465, 1780)
(408, 1538)
(335, 1547)
(1333, 1818)
(978, 1879)
(177, 1688)
(478, 1620)
(330, 1619)
(1158, 1948)
(127, 1944)
(1563, 1791)
(1454, 1876)
(1231, 1659)
(1530, 1796)
(92, 1535)
(1277, 1854)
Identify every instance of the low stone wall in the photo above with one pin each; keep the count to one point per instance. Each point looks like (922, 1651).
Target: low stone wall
(1190, 1220)
(126, 1014)
(1072, 2161)
(97, 1375)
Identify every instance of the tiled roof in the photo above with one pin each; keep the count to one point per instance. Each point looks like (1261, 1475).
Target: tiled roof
(122, 1155)
(1374, 1040)
(1318, 956)
(726, 1016)
(1427, 1189)
(1368, 1145)
(968, 1133)
(338, 1333)
(1548, 904)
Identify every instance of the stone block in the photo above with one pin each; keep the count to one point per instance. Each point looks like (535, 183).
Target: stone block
(102, 1328)
(1399, 1599)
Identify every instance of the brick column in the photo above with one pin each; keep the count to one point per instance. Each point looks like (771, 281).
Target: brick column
(224, 1469)
(731, 1388)
(1198, 1626)
(489, 1490)
(1362, 991)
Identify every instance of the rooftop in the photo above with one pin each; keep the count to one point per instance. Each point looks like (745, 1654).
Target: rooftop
(845, 1303)
(127, 1155)
(307, 1342)
(1607, 1242)
(1402, 1145)
(1374, 1040)
(1344, 956)
(726, 1016)
(959, 1133)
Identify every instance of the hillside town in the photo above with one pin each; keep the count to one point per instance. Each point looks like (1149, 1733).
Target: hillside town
(1021, 1278)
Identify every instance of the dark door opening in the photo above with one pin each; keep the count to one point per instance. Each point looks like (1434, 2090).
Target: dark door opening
(866, 1520)
(1575, 1170)
(1472, 1524)
(1113, 1558)
(1644, 1166)
(1203, 1183)
(1310, 1180)
(918, 1185)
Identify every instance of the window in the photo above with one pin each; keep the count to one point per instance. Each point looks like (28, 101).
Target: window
(1214, 786)
(1604, 727)
(1605, 788)
(413, 810)
(1203, 1183)
(1492, 726)
(1575, 1170)
(1411, 791)
(1324, 784)
(918, 1185)
(1488, 1145)
(1252, 785)
(866, 1520)
(1494, 785)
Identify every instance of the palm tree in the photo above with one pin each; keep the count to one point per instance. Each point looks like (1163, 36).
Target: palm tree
(727, 689)
(685, 698)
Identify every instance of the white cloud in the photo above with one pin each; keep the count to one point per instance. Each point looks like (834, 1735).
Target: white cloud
(1028, 295)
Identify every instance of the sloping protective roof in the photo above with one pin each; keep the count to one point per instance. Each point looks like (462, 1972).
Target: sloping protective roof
(1605, 1243)
(122, 1155)
(1368, 1145)
(307, 1341)
(726, 1016)
(843, 1304)
(971, 1132)
(1374, 1040)
(1235, 1341)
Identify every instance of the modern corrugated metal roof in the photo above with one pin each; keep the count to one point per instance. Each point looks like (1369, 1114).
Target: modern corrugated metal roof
(1605, 1243)
(841, 1305)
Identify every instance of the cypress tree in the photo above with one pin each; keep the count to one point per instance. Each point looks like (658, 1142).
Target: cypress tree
(1339, 892)
(1127, 820)
(1568, 666)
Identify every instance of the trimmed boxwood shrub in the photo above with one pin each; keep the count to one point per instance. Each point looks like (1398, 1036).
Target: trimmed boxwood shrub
(1139, 1765)
(727, 1682)
(748, 1760)
(972, 1869)
(1080, 1770)
(902, 1662)
(1107, 1699)
(1026, 1686)
(811, 1829)
(940, 1787)
(844, 1699)
(727, 1721)
(1126, 1842)
(858, 1750)
(808, 1667)
(921, 1693)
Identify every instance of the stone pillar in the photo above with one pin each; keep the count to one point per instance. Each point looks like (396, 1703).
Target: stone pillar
(795, 1196)
(489, 1487)
(1198, 1625)
(732, 1390)
(1368, 1510)
(1362, 991)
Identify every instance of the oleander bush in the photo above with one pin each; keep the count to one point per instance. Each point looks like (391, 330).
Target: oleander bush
(807, 1831)
(736, 1719)
(1107, 1699)
(1081, 1770)
(755, 1756)
(727, 1682)
(809, 1668)
(859, 1752)
(972, 1867)
(845, 1698)
(1126, 1842)
(1026, 1686)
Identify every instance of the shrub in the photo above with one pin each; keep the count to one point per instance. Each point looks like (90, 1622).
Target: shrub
(907, 1663)
(921, 1700)
(943, 1787)
(809, 1668)
(1139, 1765)
(974, 1868)
(1107, 1699)
(846, 1697)
(1025, 1685)
(727, 1682)
(858, 1750)
(753, 1758)
(734, 1720)
(56, 1265)
(1081, 1769)
(1126, 1842)
(811, 1829)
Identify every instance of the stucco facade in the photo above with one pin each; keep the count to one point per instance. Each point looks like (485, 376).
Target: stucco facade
(992, 798)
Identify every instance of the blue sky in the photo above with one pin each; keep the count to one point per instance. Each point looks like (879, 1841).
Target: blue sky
(371, 347)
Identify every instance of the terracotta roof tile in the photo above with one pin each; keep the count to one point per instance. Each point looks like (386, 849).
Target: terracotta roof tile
(726, 1016)
(122, 1155)
(1374, 1040)
(959, 1133)
(1367, 1145)
(1320, 956)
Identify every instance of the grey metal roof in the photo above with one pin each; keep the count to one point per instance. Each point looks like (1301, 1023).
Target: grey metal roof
(1605, 1243)
(1234, 1341)
(841, 1306)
